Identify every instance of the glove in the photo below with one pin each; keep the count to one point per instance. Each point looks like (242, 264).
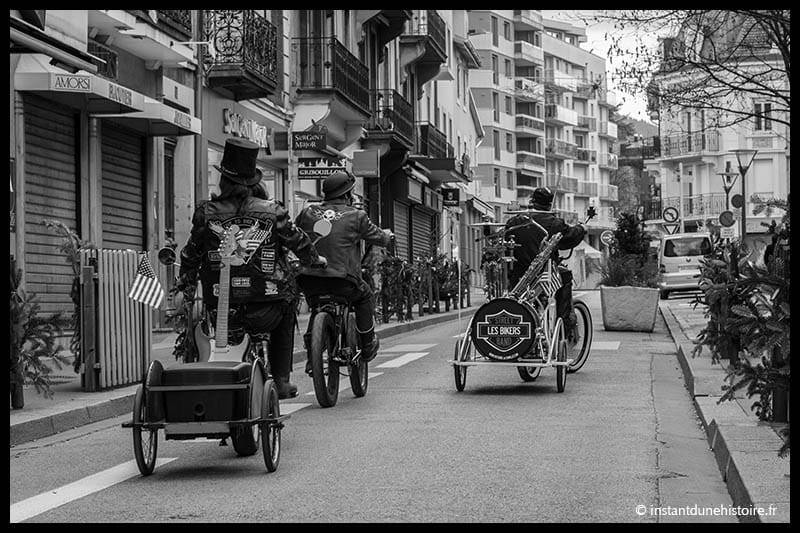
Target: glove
(389, 233)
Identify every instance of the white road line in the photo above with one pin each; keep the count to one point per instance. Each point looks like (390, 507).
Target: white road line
(408, 348)
(289, 408)
(578, 294)
(403, 359)
(46, 501)
(346, 386)
(605, 345)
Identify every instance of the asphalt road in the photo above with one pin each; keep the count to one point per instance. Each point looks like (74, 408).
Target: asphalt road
(413, 449)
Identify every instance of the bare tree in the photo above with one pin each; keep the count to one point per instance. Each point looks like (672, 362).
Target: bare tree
(713, 60)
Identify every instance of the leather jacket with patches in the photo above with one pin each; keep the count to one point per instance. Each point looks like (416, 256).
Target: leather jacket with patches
(342, 246)
(264, 277)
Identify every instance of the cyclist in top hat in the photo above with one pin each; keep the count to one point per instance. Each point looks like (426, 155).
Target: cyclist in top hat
(339, 229)
(260, 296)
(529, 236)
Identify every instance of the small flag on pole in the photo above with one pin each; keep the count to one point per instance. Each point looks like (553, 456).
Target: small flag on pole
(550, 280)
(146, 288)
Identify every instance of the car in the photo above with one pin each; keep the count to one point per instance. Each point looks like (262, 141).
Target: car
(679, 261)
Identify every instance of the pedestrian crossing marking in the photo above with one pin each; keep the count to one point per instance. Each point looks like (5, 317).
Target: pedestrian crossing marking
(402, 360)
(46, 501)
(289, 408)
(343, 387)
(605, 345)
(408, 348)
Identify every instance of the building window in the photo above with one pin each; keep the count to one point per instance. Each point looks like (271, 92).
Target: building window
(509, 180)
(495, 70)
(762, 116)
(509, 106)
(496, 107)
(537, 40)
(496, 139)
(508, 70)
(506, 31)
(497, 183)
(509, 142)
(497, 213)
(495, 37)
(458, 82)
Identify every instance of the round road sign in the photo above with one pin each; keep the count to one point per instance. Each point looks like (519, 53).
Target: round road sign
(737, 200)
(726, 219)
(670, 214)
(607, 237)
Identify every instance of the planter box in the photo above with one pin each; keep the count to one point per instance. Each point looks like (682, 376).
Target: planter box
(629, 308)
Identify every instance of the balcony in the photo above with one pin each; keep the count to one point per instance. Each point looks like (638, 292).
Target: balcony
(700, 206)
(151, 35)
(585, 90)
(392, 115)
(584, 156)
(529, 89)
(560, 80)
(608, 160)
(527, 54)
(111, 58)
(608, 192)
(432, 143)
(176, 22)
(607, 98)
(570, 217)
(245, 58)
(586, 188)
(586, 123)
(324, 65)
(560, 182)
(690, 143)
(530, 161)
(560, 115)
(423, 44)
(529, 18)
(560, 149)
(607, 130)
(529, 126)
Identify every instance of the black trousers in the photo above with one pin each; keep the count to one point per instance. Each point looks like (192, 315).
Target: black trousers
(359, 295)
(563, 295)
(259, 318)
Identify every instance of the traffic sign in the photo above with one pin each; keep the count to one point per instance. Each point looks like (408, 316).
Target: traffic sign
(670, 214)
(726, 219)
(728, 232)
(607, 237)
(737, 200)
(672, 229)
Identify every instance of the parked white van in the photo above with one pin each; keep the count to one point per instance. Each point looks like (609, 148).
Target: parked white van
(679, 261)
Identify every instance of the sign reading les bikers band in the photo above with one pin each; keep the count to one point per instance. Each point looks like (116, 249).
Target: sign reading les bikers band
(503, 329)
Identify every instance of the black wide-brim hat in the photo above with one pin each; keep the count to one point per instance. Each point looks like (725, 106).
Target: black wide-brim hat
(337, 184)
(239, 161)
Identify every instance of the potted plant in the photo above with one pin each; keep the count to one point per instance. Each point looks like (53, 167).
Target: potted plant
(629, 279)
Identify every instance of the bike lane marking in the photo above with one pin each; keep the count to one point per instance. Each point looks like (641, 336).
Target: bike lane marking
(402, 360)
(46, 501)
(408, 348)
(344, 387)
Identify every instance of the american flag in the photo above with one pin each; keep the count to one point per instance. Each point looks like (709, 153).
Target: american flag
(146, 288)
(254, 236)
(550, 280)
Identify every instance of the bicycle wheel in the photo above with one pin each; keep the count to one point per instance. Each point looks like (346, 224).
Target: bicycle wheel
(247, 438)
(580, 346)
(145, 441)
(529, 373)
(270, 434)
(359, 375)
(459, 372)
(324, 371)
(561, 357)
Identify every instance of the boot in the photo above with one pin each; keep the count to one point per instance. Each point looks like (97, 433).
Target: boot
(307, 344)
(369, 348)
(286, 389)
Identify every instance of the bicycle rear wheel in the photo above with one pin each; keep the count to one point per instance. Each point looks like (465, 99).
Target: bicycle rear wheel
(581, 345)
(324, 370)
(359, 375)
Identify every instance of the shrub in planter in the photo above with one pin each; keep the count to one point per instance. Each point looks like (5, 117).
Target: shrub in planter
(629, 279)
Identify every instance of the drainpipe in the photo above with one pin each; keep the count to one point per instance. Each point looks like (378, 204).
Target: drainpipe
(201, 178)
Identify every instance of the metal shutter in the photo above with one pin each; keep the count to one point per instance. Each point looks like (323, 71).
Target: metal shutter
(401, 229)
(421, 233)
(50, 193)
(123, 188)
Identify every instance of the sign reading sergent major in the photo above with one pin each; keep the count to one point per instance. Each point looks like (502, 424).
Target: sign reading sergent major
(319, 167)
(309, 140)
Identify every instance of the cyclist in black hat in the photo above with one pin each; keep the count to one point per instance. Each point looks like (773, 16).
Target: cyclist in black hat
(260, 296)
(339, 228)
(529, 236)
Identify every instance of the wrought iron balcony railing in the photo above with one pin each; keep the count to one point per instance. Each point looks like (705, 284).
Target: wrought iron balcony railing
(687, 143)
(427, 22)
(325, 64)
(608, 192)
(697, 206)
(392, 112)
(109, 69)
(245, 52)
(527, 121)
(587, 122)
(559, 148)
(586, 156)
(432, 142)
(608, 160)
(177, 20)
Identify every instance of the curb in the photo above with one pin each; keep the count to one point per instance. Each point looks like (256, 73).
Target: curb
(46, 426)
(744, 450)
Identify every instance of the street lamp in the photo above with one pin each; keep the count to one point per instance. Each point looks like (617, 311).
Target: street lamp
(728, 180)
(744, 156)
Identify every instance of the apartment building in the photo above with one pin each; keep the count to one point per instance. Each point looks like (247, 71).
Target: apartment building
(544, 104)
(695, 146)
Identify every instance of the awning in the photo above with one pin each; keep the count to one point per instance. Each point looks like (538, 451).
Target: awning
(158, 120)
(80, 90)
(482, 207)
(415, 171)
(27, 38)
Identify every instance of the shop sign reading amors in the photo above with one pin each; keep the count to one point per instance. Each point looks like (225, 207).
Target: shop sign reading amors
(72, 83)
(238, 126)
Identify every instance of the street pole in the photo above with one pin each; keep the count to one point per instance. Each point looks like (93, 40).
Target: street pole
(743, 172)
(292, 169)
(680, 196)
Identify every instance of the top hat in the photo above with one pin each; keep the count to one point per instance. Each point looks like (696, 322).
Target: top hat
(337, 184)
(239, 161)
